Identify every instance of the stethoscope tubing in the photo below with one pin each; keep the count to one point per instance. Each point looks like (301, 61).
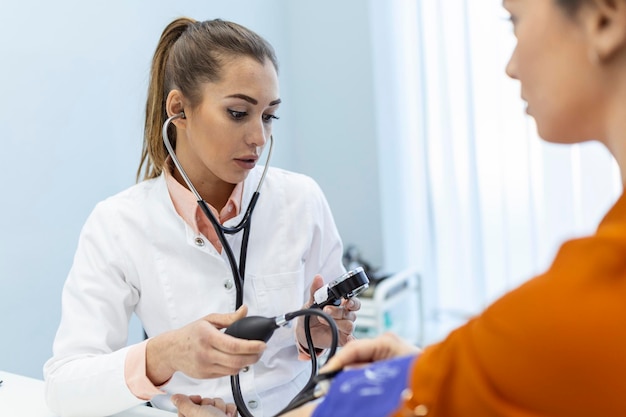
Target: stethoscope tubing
(179, 167)
(238, 272)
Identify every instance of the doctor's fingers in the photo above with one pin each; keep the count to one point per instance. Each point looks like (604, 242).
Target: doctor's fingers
(228, 408)
(202, 411)
(220, 356)
(205, 337)
(352, 304)
(338, 313)
(231, 410)
(234, 346)
(215, 402)
(230, 362)
(221, 321)
(187, 407)
(214, 368)
(345, 328)
(235, 354)
(316, 284)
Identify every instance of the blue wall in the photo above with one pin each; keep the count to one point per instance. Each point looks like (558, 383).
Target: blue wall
(73, 81)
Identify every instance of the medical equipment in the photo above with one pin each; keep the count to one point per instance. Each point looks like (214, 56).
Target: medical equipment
(261, 328)
(222, 231)
(393, 302)
(349, 285)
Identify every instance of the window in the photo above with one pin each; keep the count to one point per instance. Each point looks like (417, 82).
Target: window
(472, 197)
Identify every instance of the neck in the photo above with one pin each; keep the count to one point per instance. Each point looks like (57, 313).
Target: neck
(616, 144)
(613, 135)
(214, 193)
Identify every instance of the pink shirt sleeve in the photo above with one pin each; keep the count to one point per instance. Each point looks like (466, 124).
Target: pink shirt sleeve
(135, 373)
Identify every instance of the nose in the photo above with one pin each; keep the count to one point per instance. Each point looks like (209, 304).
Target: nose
(258, 134)
(511, 66)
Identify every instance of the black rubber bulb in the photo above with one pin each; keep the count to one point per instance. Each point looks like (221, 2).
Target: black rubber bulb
(253, 328)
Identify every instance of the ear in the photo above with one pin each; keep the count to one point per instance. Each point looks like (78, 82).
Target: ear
(605, 23)
(175, 104)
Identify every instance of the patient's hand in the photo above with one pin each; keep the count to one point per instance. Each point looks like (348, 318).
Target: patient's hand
(361, 352)
(364, 351)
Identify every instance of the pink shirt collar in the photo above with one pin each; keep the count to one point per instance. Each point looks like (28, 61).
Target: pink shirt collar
(187, 207)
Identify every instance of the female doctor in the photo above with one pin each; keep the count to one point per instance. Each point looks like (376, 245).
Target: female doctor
(151, 250)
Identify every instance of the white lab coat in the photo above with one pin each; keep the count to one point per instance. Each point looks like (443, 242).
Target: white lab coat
(136, 254)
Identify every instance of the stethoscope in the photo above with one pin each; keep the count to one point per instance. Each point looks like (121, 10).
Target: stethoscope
(310, 391)
(221, 230)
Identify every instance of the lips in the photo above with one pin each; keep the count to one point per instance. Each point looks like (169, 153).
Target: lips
(248, 158)
(247, 162)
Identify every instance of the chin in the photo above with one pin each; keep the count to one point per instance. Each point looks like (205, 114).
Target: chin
(237, 178)
(560, 132)
(560, 137)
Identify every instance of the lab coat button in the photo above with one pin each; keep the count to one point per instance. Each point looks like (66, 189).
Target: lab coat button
(245, 369)
(199, 242)
(253, 404)
(228, 284)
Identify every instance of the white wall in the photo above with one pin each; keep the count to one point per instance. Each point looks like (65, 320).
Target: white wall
(73, 80)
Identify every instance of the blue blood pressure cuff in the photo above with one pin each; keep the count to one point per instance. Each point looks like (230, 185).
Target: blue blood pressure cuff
(374, 390)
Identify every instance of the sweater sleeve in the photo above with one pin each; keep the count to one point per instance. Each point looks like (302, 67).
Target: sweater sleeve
(552, 347)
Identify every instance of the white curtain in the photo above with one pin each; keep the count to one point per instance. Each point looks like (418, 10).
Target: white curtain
(472, 198)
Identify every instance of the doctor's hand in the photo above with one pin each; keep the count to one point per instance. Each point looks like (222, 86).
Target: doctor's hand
(343, 314)
(365, 351)
(201, 350)
(196, 406)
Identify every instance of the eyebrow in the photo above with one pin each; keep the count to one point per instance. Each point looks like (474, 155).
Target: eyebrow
(252, 100)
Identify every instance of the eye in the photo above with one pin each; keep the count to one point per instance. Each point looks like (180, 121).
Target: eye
(237, 115)
(268, 118)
